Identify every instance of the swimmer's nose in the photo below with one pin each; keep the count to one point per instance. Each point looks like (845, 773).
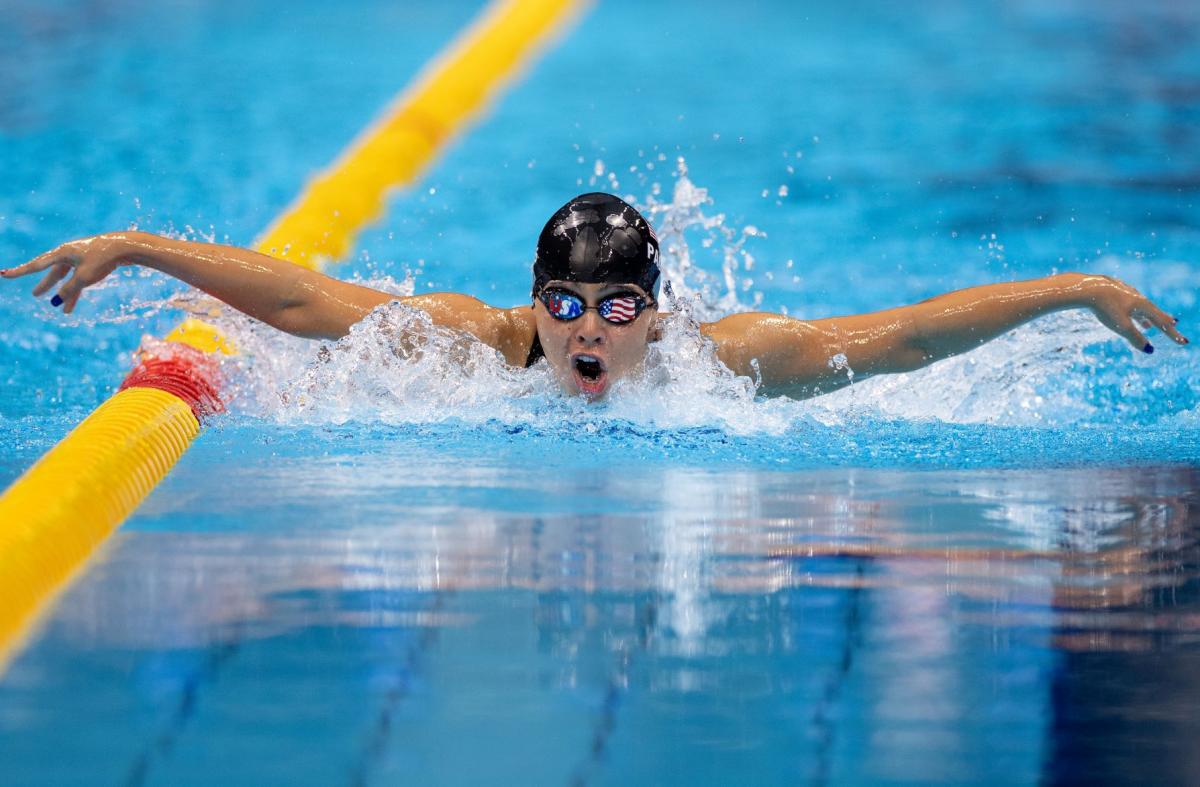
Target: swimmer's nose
(591, 330)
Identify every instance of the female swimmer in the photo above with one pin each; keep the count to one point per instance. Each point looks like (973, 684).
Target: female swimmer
(595, 290)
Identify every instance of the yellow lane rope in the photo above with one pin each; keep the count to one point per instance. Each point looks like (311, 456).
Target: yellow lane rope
(335, 205)
(54, 516)
(71, 500)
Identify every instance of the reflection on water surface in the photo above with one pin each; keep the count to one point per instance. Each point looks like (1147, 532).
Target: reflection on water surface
(683, 625)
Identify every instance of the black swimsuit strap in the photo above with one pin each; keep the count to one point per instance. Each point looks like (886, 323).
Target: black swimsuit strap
(535, 352)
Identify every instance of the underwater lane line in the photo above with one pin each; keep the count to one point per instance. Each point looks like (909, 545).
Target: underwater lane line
(58, 512)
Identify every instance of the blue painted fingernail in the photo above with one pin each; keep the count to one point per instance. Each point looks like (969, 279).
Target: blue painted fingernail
(1149, 348)
(57, 301)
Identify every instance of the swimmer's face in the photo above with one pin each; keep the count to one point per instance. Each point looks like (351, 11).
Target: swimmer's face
(588, 354)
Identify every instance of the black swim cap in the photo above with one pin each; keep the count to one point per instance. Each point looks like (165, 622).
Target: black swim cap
(597, 238)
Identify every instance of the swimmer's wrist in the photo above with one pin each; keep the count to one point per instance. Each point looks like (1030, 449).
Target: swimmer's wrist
(1076, 290)
(133, 247)
(1095, 289)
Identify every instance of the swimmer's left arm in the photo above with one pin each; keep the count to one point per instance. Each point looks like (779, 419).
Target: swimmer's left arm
(808, 357)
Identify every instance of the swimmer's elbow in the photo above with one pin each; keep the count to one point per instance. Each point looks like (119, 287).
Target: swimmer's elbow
(302, 321)
(909, 350)
(909, 356)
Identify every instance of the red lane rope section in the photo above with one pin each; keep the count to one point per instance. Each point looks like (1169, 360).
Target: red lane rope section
(190, 374)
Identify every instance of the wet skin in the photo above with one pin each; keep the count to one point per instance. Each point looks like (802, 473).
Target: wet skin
(571, 346)
(790, 356)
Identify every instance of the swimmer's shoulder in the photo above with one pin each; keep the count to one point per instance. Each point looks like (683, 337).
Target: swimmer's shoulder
(511, 331)
(516, 333)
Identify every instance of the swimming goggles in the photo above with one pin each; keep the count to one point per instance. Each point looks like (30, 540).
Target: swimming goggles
(619, 309)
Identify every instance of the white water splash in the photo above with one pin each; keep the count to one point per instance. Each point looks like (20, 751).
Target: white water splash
(397, 367)
(709, 295)
(1026, 377)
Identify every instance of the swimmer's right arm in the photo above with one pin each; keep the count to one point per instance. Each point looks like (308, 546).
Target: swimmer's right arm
(283, 295)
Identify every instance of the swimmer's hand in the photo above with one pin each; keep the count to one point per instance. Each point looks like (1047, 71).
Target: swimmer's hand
(804, 358)
(91, 260)
(280, 293)
(1122, 309)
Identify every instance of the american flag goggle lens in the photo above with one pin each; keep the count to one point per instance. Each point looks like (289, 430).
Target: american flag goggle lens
(617, 309)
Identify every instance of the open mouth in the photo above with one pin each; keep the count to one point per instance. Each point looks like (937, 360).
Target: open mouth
(590, 374)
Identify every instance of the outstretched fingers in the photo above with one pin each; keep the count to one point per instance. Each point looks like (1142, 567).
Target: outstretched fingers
(69, 293)
(1156, 317)
(42, 262)
(57, 272)
(84, 263)
(1126, 327)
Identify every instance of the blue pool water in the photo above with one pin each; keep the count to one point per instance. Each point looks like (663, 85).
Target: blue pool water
(983, 571)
